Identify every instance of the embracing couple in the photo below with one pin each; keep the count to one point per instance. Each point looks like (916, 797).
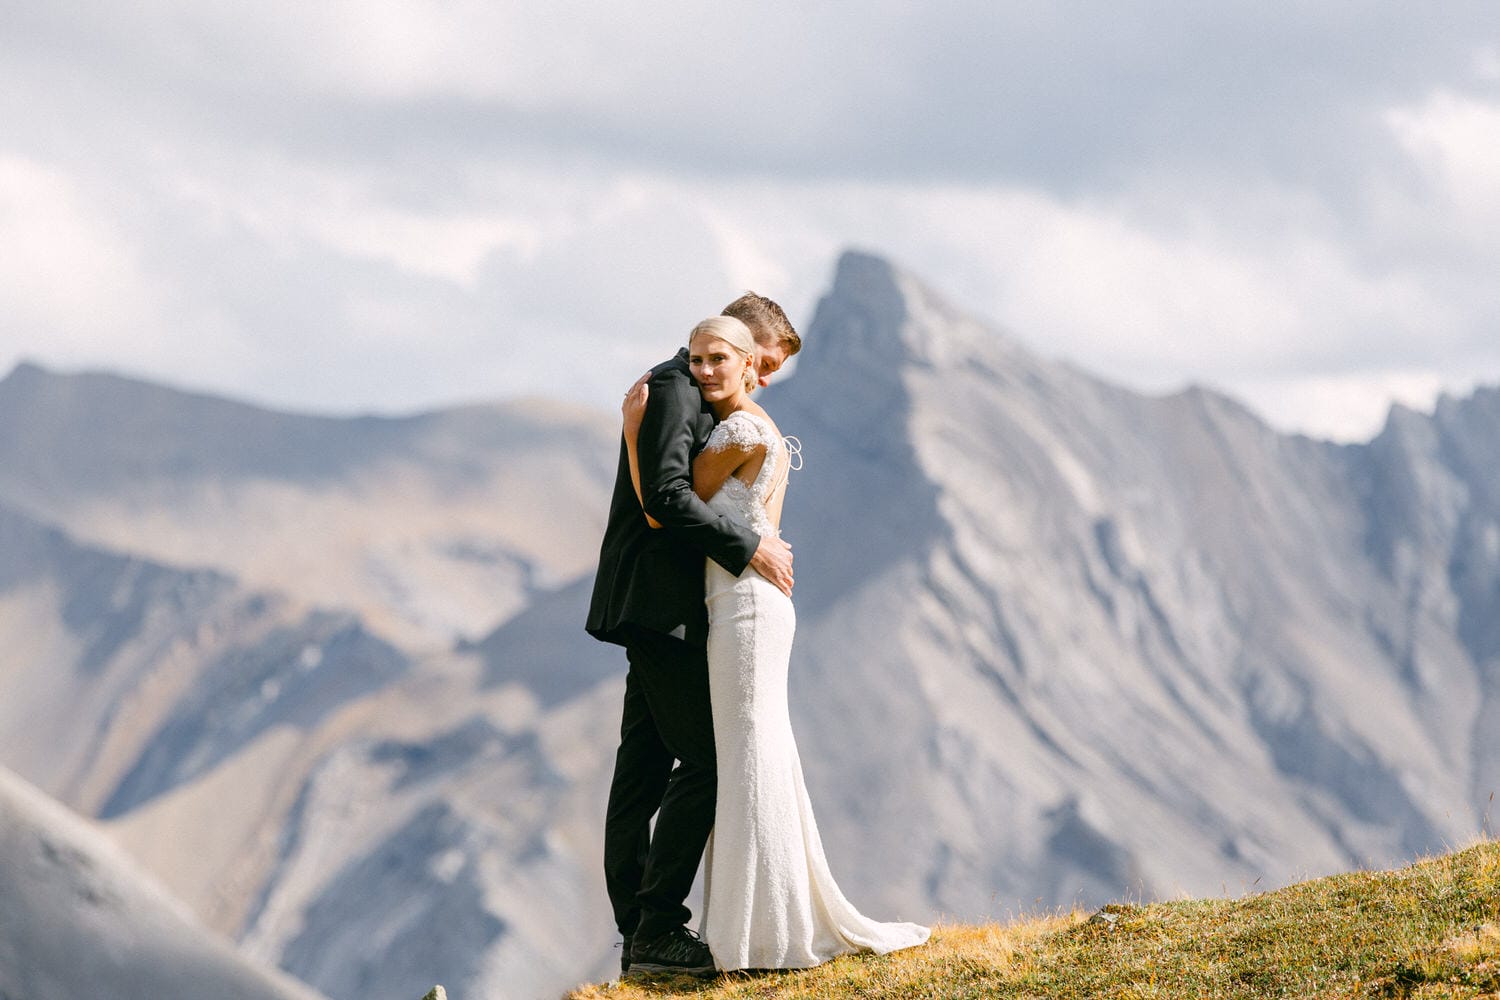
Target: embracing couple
(695, 582)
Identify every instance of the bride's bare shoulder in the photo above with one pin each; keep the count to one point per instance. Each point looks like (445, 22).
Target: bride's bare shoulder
(760, 412)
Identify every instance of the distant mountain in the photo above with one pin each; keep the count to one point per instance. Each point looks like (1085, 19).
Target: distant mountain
(79, 920)
(432, 526)
(1058, 643)
(303, 785)
(157, 674)
(1099, 643)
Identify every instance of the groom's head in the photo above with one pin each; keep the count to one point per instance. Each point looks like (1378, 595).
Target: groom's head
(775, 340)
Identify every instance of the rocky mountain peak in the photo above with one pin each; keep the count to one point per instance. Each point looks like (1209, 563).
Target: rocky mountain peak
(877, 319)
(24, 371)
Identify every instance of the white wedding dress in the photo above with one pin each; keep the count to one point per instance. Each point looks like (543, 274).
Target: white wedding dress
(770, 901)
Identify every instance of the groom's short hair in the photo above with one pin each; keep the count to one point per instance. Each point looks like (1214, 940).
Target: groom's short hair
(766, 321)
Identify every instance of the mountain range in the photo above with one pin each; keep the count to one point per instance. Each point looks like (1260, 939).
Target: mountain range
(1059, 643)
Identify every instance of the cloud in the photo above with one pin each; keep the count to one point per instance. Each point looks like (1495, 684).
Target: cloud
(1345, 407)
(399, 204)
(1055, 95)
(70, 276)
(1455, 140)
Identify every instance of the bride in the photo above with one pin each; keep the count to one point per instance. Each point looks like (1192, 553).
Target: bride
(770, 901)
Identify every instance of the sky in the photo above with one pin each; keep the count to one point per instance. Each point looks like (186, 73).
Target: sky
(394, 205)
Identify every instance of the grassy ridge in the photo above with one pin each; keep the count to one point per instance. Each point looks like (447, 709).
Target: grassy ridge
(1428, 930)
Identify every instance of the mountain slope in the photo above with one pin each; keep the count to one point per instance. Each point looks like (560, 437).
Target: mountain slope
(80, 921)
(304, 785)
(1102, 643)
(157, 673)
(429, 526)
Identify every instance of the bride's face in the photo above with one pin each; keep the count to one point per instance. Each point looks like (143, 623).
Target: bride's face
(717, 367)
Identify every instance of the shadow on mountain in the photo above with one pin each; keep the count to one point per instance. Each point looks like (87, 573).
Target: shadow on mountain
(546, 649)
(861, 501)
(294, 676)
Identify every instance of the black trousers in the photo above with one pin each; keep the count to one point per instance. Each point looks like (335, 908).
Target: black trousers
(667, 718)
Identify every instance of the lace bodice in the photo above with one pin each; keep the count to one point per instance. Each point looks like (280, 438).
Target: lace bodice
(748, 503)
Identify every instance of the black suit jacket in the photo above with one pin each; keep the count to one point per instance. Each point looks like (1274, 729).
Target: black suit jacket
(653, 578)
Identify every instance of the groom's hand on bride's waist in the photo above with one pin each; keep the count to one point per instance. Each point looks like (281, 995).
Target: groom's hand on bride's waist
(773, 560)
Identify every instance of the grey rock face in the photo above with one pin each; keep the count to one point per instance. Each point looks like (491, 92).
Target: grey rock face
(1252, 656)
(79, 920)
(293, 676)
(438, 933)
(425, 524)
(542, 649)
(111, 655)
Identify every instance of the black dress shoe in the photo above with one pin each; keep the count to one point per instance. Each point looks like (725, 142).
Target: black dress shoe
(678, 951)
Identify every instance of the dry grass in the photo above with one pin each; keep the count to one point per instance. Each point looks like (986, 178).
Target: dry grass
(1428, 930)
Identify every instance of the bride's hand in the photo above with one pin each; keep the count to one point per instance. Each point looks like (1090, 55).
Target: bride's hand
(633, 409)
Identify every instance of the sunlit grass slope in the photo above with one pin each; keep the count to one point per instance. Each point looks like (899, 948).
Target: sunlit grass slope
(1429, 930)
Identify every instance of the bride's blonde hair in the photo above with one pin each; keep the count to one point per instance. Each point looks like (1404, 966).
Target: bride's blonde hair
(734, 333)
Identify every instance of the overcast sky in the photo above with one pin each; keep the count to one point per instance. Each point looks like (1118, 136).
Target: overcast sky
(393, 204)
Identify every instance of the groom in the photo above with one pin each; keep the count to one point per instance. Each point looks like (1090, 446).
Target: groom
(648, 597)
